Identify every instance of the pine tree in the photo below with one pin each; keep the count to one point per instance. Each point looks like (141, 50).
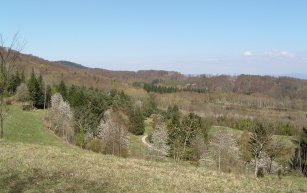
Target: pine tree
(48, 95)
(13, 83)
(150, 107)
(35, 91)
(62, 89)
(31, 86)
(18, 79)
(23, 78)
(137, 125)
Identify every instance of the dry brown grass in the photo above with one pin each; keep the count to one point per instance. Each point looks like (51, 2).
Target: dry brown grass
(41, 168)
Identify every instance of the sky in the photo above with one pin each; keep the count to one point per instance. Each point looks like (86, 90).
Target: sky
(189, 36)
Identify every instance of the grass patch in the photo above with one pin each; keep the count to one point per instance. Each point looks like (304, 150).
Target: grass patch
(216, 129)
(54, 169)
(27, 127)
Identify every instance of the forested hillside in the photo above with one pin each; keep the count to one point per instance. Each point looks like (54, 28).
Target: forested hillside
(280, 88)
(243, 131)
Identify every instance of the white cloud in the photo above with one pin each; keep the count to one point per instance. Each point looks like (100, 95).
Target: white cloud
(247, 53)
(287, 54)
(284, 54)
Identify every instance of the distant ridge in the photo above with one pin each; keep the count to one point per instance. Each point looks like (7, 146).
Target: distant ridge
(297, 75)
(72, 64)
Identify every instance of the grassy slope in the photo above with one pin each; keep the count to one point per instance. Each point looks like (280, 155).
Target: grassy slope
(27, 127)
(34, 160)
(237, 133)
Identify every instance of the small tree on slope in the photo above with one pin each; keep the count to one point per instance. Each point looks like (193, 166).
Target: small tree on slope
(61, 117)
(259, 141)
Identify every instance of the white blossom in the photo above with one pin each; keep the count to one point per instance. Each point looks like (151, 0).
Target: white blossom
(61, 117)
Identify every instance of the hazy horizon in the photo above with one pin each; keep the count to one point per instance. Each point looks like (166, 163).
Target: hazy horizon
(199, 37)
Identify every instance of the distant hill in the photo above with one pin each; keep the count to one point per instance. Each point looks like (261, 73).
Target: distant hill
(297, 75)
(72, 64)
(77, 74)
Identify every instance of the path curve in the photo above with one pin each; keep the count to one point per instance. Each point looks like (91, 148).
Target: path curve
(145, 142)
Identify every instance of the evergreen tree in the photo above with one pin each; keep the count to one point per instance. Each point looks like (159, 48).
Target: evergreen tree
(48, 95)
(62, 89)
(137, 125)
(23, 78)
(31, 86)
(299, 160)
(18, 78)
(150, 107)
(184, 135)
(35, 91)
(13, 83)
(40, 82)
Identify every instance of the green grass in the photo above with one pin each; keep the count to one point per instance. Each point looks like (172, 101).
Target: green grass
(215, 129)
(34, 160)
(136, 147)
(27, 127)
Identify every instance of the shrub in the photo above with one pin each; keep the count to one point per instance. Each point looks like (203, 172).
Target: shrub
(95, 145)
(260, 173)
(279, 173)
(22, 93)
(27, 107)
(8, 102)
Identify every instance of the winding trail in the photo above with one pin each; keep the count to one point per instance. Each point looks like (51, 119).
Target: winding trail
(145, 142)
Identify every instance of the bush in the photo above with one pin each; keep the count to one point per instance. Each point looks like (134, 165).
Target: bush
(8, 102)
(27, 107)
(260, 173)
(95, 145)
(279, 173)
(22, 93)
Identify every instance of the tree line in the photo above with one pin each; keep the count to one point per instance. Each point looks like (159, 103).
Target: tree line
(150, 87)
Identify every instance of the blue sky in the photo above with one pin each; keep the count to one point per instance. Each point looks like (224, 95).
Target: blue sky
(191, 36)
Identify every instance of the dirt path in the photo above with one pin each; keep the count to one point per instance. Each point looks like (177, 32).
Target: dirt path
(145, 142)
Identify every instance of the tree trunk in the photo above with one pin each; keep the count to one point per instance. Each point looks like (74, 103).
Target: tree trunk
(1, 115)
(256, 166)
(113, 150)
(270, 165)
(45, 98)
(219, 160)
(299, 154)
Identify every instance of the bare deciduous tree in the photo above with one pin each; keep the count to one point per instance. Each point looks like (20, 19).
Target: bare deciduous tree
(159, 140)
(22, 93)
(225, 142)
(259, 141)
(157, 121)
(9, 54)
